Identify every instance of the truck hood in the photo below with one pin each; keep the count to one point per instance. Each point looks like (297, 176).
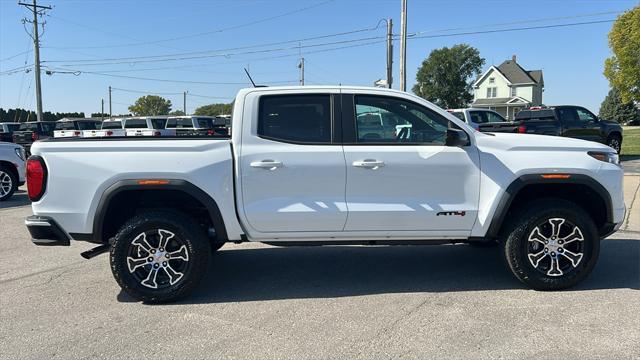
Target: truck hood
(528, 142)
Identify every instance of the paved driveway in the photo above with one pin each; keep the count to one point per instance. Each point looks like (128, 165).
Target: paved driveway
(262, 302)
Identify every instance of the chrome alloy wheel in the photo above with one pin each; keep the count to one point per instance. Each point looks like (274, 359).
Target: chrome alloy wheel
(158, 258)
(555, 247)
(615, 144)
(6, 184)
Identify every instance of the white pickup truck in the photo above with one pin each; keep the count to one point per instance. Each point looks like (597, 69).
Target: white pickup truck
(296, 171)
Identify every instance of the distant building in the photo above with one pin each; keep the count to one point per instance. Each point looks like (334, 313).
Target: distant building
(508, 88)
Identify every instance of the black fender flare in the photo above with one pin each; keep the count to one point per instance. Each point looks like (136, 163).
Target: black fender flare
(518, 184)
(179, 185)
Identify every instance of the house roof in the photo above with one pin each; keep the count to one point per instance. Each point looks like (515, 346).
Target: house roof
(500, 101)
(516, 74)
(536, 75)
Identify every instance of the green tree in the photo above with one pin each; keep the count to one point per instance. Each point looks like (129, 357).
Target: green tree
(445, 76)
(214, 109)
(151, 105)
(614, 109)
(177, 113)
(623, 68)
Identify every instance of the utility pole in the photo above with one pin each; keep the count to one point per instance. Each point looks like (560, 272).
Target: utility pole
(403, 46)
(102, 109)
(110, 115)
(36, 10)
(184, 102)
(389, 52)
(301, 67)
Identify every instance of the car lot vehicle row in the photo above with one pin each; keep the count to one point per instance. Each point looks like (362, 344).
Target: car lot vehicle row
(302, 168)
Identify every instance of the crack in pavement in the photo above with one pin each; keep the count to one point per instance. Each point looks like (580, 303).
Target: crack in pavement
(5, 281)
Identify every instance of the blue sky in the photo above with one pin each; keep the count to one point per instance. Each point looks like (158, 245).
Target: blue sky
(75, 31)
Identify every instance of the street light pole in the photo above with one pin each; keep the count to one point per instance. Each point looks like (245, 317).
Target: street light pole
(389, 52)
(403, 46)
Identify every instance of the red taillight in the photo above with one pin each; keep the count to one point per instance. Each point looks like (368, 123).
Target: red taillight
(34, 136)
(36, 177)
(76, 133)
(109, 133)
(210, 132)
(522, 129)
(156, 133)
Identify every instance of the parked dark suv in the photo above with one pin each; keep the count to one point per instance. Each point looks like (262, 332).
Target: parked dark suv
(570, 121)
(33, 131)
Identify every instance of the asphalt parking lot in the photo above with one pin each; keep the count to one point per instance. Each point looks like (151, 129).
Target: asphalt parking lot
(262, 302)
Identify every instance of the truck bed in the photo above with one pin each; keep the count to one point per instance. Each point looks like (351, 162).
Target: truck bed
(82, 169)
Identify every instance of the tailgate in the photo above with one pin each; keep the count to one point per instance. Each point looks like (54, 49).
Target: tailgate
(498, 127)
(141, 132)
(66, 133)
(23, 137)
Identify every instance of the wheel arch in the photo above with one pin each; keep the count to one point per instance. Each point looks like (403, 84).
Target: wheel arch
(177, 188)
(594, 198)
(12, 167)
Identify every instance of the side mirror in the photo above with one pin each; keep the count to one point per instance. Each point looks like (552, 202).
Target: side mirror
(456, 137)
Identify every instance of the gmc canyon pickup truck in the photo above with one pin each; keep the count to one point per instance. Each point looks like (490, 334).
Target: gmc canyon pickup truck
(297, 170)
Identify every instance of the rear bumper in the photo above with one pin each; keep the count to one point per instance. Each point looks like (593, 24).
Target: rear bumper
(46, 232)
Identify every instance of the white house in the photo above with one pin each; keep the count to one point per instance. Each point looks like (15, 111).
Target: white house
(508, 88)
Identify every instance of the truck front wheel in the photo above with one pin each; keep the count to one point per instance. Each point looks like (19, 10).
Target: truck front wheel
(551, 244)
(159, 256)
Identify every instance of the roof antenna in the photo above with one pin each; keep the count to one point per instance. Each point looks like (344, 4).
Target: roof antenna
(249, 76)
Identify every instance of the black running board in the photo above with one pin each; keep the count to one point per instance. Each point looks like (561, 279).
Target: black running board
(90, 254)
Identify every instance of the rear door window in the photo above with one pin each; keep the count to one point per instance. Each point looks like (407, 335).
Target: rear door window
(568, 115)
(295, 118)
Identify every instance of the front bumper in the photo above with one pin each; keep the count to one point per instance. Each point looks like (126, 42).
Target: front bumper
(46, 232)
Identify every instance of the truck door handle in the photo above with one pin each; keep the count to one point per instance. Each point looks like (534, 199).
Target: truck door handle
(266, 164)
(369, 164)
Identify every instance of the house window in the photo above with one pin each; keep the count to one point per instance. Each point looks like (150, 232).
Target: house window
(492, 80)
(514, 91)
(492, 92)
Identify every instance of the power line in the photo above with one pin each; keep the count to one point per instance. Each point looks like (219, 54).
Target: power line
(512, 29)
(16, 55)
(176, 57)
(518, 22)
(234, 27)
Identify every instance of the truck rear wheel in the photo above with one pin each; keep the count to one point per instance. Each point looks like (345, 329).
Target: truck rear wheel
(159, 256)
(8, 182)
(552, 244)
(615, 141)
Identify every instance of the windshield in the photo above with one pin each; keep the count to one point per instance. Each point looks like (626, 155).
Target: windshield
(135, 124)
(12, 127)
(159, 123)
(458, 114)
(485, 117)
(204, 123)
(112, 125)
(65, 125)
(88, 125)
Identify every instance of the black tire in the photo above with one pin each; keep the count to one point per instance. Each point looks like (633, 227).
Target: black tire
(564, 269)
(8, 182)
(174, 276)
(615, 141)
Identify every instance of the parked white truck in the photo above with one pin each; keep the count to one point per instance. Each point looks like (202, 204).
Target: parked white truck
(296, 171)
